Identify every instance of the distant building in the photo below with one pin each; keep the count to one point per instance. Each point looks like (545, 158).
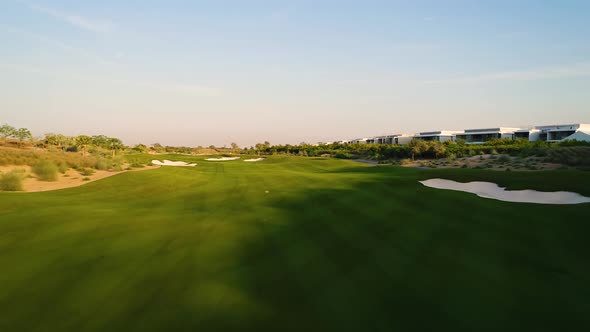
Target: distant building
(387, 139)
(480, 136)
(440, 136)
(527, 134)
(551, 133)
(558, 133)
(403, 139)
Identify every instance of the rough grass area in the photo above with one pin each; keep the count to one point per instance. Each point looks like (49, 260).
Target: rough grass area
(64, 160)
(574, 156)
(45, 170)
(12, 181)
(294, 244)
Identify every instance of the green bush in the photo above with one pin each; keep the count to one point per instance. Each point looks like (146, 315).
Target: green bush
(504, 158)
(45, 170)
(102, 164)
(62, 168)
(12, 181)
(86, 171)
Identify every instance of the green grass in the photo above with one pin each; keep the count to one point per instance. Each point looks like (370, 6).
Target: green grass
(333, 246)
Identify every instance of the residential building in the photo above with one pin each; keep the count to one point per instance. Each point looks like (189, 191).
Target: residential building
(531, 134)
(480, 136)
(558, 133)
(440, 135)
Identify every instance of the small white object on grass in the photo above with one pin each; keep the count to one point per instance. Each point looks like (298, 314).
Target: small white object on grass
(266, 191)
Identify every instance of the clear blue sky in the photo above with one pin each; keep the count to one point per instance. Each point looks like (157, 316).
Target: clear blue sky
(216, 72)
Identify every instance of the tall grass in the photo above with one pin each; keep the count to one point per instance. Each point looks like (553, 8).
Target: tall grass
(45, 170)
(12, 181)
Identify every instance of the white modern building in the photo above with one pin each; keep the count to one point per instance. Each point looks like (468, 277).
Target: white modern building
(403, 139)
(440, 135)
(558, 133)
(359, 141)
(480, 136)
(550, 133)
(531, 134)
(388, 139)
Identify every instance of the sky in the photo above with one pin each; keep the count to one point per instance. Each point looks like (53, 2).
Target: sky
(215, 72)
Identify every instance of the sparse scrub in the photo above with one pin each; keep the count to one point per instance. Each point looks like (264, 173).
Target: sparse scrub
(101, 164)
(45, 170)
(12, 181)
(62, 168)
(86, 171)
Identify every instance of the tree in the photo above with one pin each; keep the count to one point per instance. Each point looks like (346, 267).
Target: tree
(7, 131)
(259, 147)
(100, 141)
(157, 147)
(140, 148)
(438, 149)
(417, 147)
(22, 134)
(235, 146)
(115, 144)
(57, 140)
(83, 142)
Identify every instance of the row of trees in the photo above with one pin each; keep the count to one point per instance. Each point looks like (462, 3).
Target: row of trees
(83, 143)
(415, 149)
(22, 134)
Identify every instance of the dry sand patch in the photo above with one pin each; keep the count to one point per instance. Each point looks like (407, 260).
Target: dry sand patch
(71, 178)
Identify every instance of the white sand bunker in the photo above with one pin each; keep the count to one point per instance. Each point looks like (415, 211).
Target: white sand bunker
(253, 160)
(172, 163)
(493, 191)
(222, 159)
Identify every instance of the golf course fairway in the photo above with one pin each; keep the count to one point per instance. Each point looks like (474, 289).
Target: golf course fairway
(294, 244)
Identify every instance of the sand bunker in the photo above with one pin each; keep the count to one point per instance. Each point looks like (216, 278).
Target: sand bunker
(253, 160)
(222, 159)
(493, 191)
(172, 163)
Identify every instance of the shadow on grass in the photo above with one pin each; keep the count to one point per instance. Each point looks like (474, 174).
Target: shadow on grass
(387, 256)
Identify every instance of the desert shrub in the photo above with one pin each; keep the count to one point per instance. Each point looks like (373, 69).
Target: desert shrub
(341, 155)
(101, 164)
(45, 170)
(62, 168)
(405, 161)
(86, 179)
(117, 167)
(12, 181)
(86, 171)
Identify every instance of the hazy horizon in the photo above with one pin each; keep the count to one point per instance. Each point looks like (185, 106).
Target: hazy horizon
(184, 73)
